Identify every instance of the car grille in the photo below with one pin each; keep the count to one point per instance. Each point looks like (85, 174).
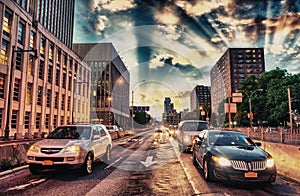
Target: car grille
(249, 166)
(50, 150)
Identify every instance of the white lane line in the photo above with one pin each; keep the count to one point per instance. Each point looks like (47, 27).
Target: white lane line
(113, 163)
(23, 186)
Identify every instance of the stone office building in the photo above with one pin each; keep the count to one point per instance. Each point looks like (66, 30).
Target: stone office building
(38, 69)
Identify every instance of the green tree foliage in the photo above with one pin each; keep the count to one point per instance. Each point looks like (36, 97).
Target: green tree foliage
(269, 106)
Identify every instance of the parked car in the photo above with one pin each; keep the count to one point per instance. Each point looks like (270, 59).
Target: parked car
(187, 131)
(232, 156)
(71, 147)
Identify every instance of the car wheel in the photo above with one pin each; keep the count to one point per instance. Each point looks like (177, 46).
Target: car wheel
(34, 169)
(107, 154)
(207, 171)
(87, 167)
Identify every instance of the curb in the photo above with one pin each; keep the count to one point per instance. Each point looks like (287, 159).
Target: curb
(10, 171)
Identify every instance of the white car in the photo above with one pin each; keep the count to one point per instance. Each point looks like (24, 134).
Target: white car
(70, 147)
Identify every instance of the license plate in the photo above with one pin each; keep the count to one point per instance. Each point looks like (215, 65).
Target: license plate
(47, 162)
(250, 175)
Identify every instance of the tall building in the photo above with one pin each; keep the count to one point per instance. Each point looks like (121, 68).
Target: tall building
(110, 83)
(200, 96)
(170, 115)
(38, 69)
(235, 65)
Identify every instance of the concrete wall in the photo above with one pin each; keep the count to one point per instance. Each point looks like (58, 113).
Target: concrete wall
(287, 158)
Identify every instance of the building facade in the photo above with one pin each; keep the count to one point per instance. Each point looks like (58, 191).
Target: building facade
(235, 65)
(110, 83)
(200, 96)
(170, 115)
(38, 69)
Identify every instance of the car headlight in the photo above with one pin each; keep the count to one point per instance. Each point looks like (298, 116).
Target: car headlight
(34, 148)
(270, 163)
(72, 148)
(186, 139)
(222, 161)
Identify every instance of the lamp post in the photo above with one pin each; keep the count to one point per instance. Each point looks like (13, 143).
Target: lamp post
(250, 105)
(10, 82)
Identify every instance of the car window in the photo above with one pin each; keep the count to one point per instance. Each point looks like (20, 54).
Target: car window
(65, 133)
(195, 126)
(96, 133)
(102, 132)
(229, 139)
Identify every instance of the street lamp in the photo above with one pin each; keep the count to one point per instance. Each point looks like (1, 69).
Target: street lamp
(250, 106)
(10, 82)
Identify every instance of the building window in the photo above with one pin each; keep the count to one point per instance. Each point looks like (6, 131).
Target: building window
(42, 47)
(62, 120)
(1, 116)
(57, 77)
(21, 31)
(24, 5)
(56, 100)
(3, 55)
(55, 121)
(37, 120)
(16, 90)
(30, 65)
(70, 82)
(69, 103)
(6, 24)
(47, 121)
(19, 61)
(32, 42)
(63, 102)
(14, 119)
(27, 120)
(2, 85)
(39, 95)
(64, 80)
(58, 55)
(41, 69)
(48, 98)
(50, 70)
(78, 106)
(29, 93)
(51, 49)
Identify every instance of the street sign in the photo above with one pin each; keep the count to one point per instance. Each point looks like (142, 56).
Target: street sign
(237, 97)
(231, 107)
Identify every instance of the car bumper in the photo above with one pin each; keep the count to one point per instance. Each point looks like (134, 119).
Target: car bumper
(232, 175)
(63, 160)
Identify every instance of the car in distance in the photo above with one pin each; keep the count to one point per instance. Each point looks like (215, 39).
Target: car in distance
(187, 131)
(232, 156)
(161, 135)
(70, 147)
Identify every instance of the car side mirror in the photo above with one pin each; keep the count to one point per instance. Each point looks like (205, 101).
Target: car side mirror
(258, 144)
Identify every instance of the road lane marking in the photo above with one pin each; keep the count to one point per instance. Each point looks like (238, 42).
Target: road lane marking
(113, 163)
(23, 186)
(148, 161)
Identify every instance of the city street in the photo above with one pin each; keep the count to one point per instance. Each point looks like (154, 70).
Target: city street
(139, 166)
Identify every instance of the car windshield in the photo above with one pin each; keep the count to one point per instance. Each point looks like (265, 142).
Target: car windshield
(229, 139)
(195, 126)
(70, 133)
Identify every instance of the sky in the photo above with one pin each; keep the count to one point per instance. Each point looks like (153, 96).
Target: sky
(169, 47)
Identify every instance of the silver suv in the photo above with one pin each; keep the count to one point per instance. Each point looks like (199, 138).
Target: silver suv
(71, 147)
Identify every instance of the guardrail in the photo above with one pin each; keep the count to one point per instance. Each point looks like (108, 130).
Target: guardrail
(278, 135)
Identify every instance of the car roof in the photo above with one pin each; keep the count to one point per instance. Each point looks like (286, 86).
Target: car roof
(222, 130)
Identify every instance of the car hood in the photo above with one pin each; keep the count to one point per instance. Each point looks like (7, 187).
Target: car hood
(59, 143)
(239, 152)
(192, 133)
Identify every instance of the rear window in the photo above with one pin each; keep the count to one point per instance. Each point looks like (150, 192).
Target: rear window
(195, 126)
(71, 133)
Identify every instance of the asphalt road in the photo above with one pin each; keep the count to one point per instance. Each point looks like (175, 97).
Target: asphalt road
(139, 166)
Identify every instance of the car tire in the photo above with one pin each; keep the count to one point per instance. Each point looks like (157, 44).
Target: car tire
(207, 171)
(87, 167)
(107, 154)
(35, 170)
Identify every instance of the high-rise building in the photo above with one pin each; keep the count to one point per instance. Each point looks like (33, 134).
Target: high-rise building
(235, 65)
(170, 115)
(110, 83)
(38, 69)
(200, 96)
